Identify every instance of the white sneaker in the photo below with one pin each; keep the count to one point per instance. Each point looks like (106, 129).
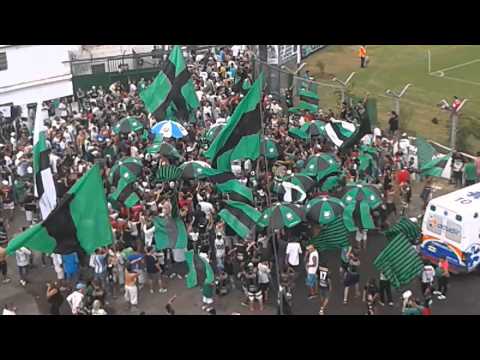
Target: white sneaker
(162, 291)
(179, 276)
(441, 297)
(23, 282)
(436, 292)
(151, 291)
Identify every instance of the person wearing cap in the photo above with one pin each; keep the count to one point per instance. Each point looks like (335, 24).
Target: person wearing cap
(76, 299)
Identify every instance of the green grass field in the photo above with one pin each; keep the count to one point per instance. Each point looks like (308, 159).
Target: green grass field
(454, 70)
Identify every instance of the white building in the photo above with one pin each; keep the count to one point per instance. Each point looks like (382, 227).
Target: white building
(34, 72)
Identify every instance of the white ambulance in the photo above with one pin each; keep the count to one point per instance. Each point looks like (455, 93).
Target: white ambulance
(451, 229)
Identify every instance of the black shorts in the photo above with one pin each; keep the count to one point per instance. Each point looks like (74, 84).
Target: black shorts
(264, 287)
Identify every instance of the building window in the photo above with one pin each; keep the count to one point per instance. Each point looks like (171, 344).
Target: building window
(3, 61)
(98, 68)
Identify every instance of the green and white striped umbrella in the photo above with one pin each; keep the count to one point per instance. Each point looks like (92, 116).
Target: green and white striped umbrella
(127, 169)
(324, 209)
(282, 215)
(321, 165)
(168, 173)
(269, 149)
(194, 169)
(362, 192)
(128, 125)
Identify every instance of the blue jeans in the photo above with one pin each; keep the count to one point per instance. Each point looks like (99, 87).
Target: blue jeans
(102, 278)
(22, 271)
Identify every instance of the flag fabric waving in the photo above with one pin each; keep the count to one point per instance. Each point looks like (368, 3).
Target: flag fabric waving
(332, 236)
(76, 222)
(399, 261)
(124, 195)
(240, 138)
(170, 233)
(439, 167)
(339, 131)
(172, 89)
(45, 189)
(241, 217)
(198, 267)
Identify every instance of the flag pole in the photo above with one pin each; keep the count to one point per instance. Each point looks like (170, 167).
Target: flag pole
(269, 204)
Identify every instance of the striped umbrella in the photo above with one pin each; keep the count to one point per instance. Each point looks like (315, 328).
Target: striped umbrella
(282, 215)
(321, 165)
(128, 125)
(324, 210)
(213, 132)
(194, 169)
(169, 129)
(240, 217)
(168, 173)
(304, 181)
(269, 149)
(127, 169)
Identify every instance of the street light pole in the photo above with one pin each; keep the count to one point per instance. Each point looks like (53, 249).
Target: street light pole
(344, 85)
(454, 113)
(397, 96)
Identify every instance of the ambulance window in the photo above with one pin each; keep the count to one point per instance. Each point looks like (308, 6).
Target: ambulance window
(433, 208)
(453, 231)
(458, 218)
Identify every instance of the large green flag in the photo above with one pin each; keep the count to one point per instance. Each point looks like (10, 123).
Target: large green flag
(399, 261)
(170, 233)
(332, 236)
(80, 220)
(241, 217)
(198, 267)
(240, 138)
(236, 190)
(425, 151)
(439, 167)
(171, 90)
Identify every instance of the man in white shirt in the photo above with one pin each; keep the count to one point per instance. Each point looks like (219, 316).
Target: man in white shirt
(22, 256)
(207, 208)
(312, 267)
(148, 231)
(75, 299)
(293, 254)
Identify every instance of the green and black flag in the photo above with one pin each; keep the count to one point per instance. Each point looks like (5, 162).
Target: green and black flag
(170, 233)
(399, 261)
(199, 270)
(240, 138)
(406, 227)
(79, 221)
(308, 97)
(240, 217)
(124, 195)
(171, 90)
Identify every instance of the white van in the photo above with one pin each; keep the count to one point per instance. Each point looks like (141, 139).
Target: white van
(451, 229)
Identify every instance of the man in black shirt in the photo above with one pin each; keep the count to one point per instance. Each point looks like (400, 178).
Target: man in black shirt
(153, 271)
(324, 284)
(393, 123)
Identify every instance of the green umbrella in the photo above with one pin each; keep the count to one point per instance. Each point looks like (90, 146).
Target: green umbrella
(321, 165)
(194, 169)
(165, 149)
(158, 139)
(124, 195)
(269, 149)
(332, 182)
(367, 164)
(324, 210)
(362, 192)
(213, 132)
(304, 181)
(371, 150)
(282, 215)
(127, 169)
(128, 125)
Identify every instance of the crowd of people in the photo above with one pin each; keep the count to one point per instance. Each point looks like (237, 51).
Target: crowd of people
(79, 139)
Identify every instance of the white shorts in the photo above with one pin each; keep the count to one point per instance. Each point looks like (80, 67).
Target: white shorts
(8, 206)
(29, 216)
(207, 300)
(60, 274)
(131, 294)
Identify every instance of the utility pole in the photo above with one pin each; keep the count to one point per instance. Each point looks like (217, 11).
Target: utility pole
(397, 96)
(454, 113)
(344, 85)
